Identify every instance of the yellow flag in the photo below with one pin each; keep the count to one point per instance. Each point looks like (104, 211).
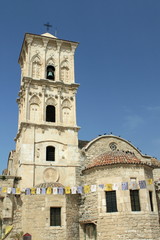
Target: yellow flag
(108, 187)
(33, 191)
(18, 191)
(49, 190)
(8, 229)
(86, 188)
(67, 190)
(150, 181)
(4, 190)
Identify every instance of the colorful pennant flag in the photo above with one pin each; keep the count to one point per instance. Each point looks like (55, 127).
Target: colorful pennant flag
(33, 191)
(142, 184)
(60, 190)
(116, 186)
(93, 188)
(74, 190)
(49, 190)
(43, 191)
(67, 190)
(86, 188)
(55, 190)
(101, 186)
(28, 191)
(124, 185)
(13, 191)
(108, 187)
(18, 191)
(133, 185)
(38, 191)
(150, 181)
(79, 189)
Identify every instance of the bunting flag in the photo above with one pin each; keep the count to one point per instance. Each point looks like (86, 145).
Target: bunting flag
(33, 191)
(49, 190)
(101, 186)
(79, 189)
(13, 191)
(142, 184)
(43, 191)
(38, 191)
(108, 187)
(67, 190)
(55, 190)
(86, 188)
(74, 190)
(93, 188)
(4, 190)
(60, 190)
(18, 191)
(150, 181)
(9, 190)
(133, 185)
(124, 185)
(28, 191)
(116, 186)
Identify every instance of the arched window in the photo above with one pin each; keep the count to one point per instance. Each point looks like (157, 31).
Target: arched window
(50, 72)
(50, 114)
(50, 153)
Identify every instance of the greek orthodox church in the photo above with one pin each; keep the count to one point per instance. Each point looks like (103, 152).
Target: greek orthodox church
(59, 187)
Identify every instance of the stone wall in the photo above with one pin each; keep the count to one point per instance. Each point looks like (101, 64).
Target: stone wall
(123, 224)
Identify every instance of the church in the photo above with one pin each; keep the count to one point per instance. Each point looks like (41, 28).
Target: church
(59, 187)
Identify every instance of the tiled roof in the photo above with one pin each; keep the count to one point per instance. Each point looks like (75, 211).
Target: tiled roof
(116, 157)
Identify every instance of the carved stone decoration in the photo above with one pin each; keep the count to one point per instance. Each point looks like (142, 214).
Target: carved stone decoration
(66, 104)
(113, 146)
(64, 71)
(35, 100)
(50, 175)
(36, 66)
(51, 101)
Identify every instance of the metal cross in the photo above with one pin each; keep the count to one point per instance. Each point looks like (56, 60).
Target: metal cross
(47, 25)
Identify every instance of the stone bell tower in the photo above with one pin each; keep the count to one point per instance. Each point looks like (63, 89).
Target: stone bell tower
(47, 141)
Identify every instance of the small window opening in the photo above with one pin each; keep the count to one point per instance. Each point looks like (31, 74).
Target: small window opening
(50, 153)
(55, 216)
(51, 72)
(151, 200)
(50, 114)
(111, 201)
(135, 203)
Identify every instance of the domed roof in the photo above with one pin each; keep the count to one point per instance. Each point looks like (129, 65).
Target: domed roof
(115, 157)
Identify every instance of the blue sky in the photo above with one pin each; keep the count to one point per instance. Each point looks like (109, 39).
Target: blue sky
(117, 65)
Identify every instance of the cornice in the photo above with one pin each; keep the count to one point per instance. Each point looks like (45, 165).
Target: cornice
(45, 126)
(46, 82)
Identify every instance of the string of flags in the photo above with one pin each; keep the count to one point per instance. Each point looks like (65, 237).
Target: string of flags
(132, 185)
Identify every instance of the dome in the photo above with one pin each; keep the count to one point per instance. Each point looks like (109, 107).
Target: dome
(115, 157)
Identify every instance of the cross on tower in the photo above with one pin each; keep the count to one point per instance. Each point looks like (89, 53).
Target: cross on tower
(47, 25)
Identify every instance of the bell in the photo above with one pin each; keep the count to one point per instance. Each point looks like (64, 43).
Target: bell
(50, 74)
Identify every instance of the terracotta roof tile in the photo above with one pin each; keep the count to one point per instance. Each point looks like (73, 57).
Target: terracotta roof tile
(115, 157)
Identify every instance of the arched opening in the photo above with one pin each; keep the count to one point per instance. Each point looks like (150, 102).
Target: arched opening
(50, 72)
(50, 153)
(50, 114)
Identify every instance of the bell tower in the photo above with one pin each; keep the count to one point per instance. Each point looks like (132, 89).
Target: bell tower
(47, 139)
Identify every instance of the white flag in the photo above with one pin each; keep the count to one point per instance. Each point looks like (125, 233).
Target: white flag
(74, 190)
(55, 190)
(93, 188)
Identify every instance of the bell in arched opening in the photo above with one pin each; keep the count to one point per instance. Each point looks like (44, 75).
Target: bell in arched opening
(50, 72)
